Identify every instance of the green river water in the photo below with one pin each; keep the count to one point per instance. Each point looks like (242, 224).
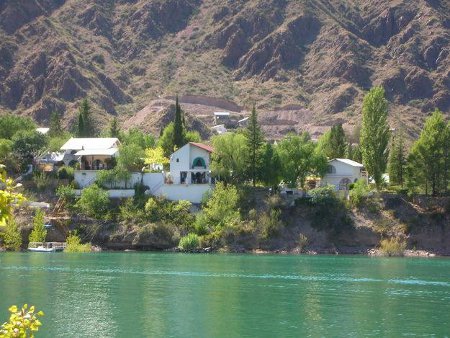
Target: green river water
(179, 295)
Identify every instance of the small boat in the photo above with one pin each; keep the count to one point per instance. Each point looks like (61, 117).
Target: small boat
(46, 246)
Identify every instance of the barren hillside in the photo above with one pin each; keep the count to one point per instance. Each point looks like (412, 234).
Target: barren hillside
(305, 63)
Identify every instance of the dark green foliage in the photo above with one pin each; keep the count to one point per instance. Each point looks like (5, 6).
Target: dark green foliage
(375, 134)
(56, 129)
(337, 142)
(117, 177)
(131, 157)
(271, 166)
(27, 144)
(328, 211)
(65, 173)
(114, 130)
(85, 126)
(139, 138)
(299, 159)
(11, 124)
(429, 161)
(397, 160)
(255, 140)
(178, 127)
(177, 214)
(94, 202)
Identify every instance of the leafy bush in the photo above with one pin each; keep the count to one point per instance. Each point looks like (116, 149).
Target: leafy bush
(271, 224)
(12, 237)
(189, 242)
(392, 247)
(41, 180)
(359, 193)
(39, 233)
(94, 202)
(22, 323)
(175, 213)
(66, 193)
(66, 173)
(113, 178)
(129, 211)
(158, 235)
(73, 244)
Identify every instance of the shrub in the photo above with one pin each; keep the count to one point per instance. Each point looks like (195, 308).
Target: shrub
(392, 247)
(359, 193)
(66, 193)
(113, 178)
(41, 180)
(22, 323)
(302, 242)
(66, 173)
(39, 233)
(189, 242)
(129, 211)
(12, 238)
(73, 244)
(271, 224)
(158, 235)
(94, 202)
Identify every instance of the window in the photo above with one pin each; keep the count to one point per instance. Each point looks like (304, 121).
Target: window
(331, 169)
(178, 160)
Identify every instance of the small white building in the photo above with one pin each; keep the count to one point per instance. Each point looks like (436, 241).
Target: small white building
(342, 172)
(219, 129)
(92, 153)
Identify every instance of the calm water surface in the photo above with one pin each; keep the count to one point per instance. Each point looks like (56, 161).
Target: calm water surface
(177, 295)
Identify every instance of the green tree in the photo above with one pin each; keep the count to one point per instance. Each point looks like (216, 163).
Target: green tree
(12, 237)
(56, 129)
(221, 209)
(94, 202)
(11, 124)
(337, 143)
(397, 160)
(155, 156)
(179, 129)
(85, 124)
(430, 154)
(230, 157)
(27, 144)
(299, 159)
(166, 140)
(73, 244)
(137, 137)
(39, 233)
(9, 197)
(255, 140)
(114, 130)
(131, 157)
(375, 134)
(271, 166)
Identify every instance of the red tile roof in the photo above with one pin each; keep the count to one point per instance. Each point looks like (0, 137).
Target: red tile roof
(203, 146)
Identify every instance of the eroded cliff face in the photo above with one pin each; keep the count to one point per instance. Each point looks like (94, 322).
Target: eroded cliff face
(316, 56)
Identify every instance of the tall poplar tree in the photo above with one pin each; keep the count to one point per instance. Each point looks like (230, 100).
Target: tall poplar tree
(397, 160)
(337, 144)
(178, 127)
(375, 134)
(255, 140)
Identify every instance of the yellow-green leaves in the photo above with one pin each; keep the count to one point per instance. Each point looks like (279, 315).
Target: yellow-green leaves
(8, 197)
(22, 323)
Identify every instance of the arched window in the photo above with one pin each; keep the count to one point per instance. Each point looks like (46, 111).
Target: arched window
(199, 162)
(331, 169)
(344, 183)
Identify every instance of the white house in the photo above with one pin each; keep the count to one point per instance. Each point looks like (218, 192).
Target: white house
(221, 117)
(342, 172)
(92, 153)
(190, 175)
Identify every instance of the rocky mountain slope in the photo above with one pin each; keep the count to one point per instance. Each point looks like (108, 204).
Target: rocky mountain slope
(305, 63)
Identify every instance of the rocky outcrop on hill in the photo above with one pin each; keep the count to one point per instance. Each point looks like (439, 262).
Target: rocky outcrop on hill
(318, 55)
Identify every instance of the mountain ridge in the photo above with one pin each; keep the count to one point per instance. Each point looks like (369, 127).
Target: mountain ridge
(319, 56)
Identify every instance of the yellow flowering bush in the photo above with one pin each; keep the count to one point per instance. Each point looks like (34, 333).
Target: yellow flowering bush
(22, 323)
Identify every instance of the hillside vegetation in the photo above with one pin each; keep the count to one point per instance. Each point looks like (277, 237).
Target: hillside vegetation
(306, 64)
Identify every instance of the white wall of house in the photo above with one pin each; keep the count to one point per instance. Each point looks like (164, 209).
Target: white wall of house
(182, 160)
(85, 178)
(192, 193)
(343, 172)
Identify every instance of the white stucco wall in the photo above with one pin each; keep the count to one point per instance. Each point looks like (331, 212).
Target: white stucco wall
(192, 193)
(185, 156)
(85, 178)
